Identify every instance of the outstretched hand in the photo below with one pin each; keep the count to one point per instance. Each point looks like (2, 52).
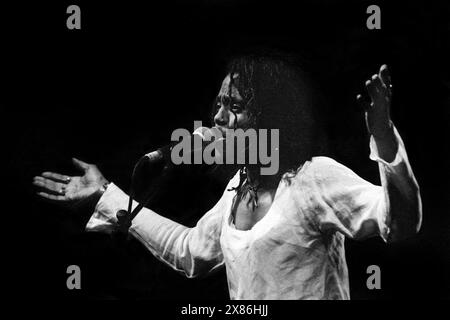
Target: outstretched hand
(377, 112)
(71, 191)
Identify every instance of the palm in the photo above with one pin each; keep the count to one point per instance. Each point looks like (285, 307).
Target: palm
(80, 187)
(378, 111)
(70, 190)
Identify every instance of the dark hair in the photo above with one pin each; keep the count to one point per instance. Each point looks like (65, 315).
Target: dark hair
(279, 95)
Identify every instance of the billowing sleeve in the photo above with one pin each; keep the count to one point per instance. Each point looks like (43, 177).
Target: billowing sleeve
(346, 203)
(192, 251)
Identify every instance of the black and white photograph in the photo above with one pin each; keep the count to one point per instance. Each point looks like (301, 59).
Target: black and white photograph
(207, 151)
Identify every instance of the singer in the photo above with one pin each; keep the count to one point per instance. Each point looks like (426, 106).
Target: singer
(280, 236)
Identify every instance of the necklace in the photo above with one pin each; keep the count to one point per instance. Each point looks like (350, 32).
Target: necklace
(246, 187)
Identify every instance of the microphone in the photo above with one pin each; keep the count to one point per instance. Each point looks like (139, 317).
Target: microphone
(158, 157)
(164, 153)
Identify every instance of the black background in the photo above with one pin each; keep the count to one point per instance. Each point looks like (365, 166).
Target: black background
(119, 86)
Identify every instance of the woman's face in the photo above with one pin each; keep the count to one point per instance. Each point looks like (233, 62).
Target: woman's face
(230, 108)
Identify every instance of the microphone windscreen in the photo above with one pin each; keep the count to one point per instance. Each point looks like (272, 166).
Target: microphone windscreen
(208, 133)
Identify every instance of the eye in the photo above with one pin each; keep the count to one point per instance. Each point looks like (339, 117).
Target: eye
(236, 107)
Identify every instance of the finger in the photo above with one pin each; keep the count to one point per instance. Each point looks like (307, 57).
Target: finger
(51, 196)
(50, 186)
(374, 86)
(56, 177)
(385, 76)
(38, 179)
(376, 81)
(80, 164)
(50, 191)
(370, 88)
(362, 103)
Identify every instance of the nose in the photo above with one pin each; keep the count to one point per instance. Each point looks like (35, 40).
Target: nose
(221, 118)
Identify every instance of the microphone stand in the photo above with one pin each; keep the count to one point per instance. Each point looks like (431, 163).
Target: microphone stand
(125, 217)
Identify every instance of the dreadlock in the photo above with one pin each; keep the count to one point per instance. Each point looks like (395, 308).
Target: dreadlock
(278, 95)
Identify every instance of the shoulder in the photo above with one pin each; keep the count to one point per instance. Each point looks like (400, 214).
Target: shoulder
(320, 171)
(320, 166)
(323, 162)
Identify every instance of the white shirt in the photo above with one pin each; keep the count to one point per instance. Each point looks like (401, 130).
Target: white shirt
(296, 251)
